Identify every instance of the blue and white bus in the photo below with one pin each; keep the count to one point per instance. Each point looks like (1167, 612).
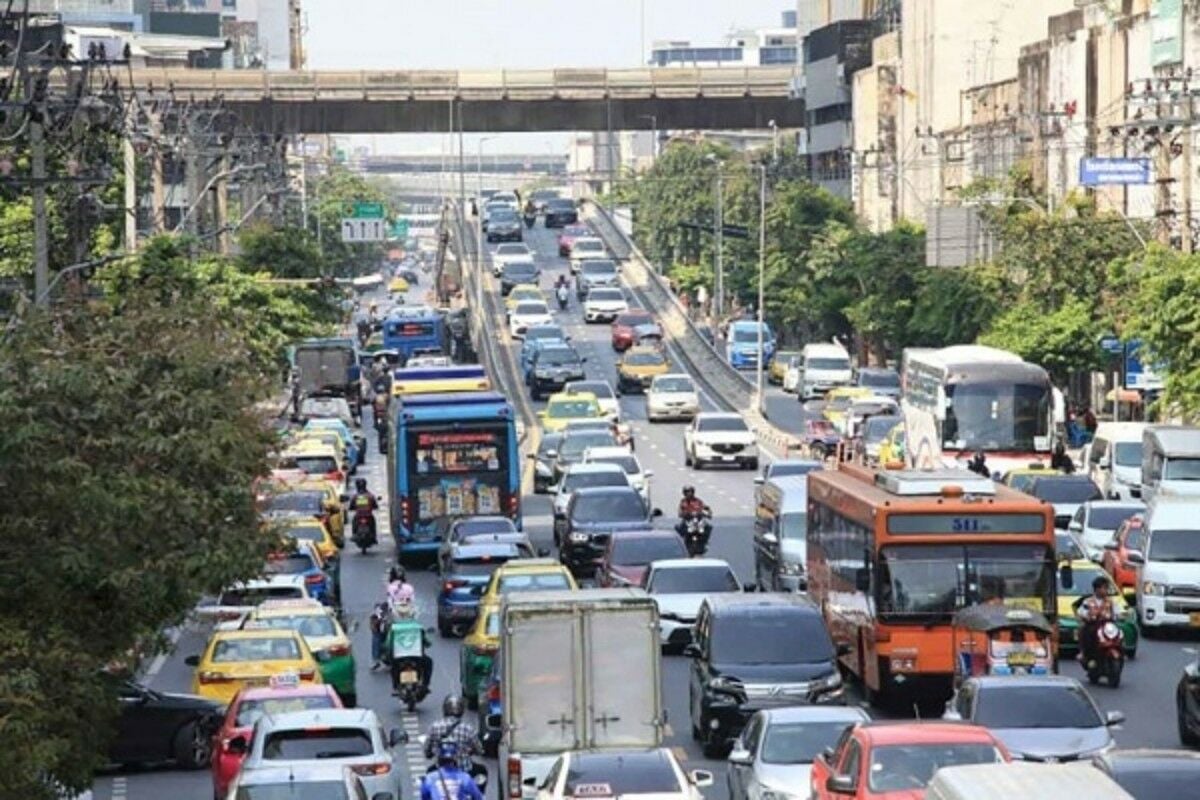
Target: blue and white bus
(450, 455)
(414, 329)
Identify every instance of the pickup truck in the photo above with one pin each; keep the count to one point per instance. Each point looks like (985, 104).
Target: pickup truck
(581, 670)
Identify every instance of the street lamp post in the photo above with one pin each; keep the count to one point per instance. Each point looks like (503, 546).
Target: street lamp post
(479, 222)
(653, 133)
(762, 263)
(774, 141)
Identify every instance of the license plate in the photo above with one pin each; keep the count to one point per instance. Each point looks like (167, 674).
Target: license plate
(728, 458)
(1025, 659)
(409, 676)
(1194, 619)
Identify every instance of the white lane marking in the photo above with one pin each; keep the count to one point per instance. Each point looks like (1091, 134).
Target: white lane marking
(120, 787)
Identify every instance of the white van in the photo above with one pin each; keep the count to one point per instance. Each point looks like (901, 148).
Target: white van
(1168, 582)
(1023, 780)
(1170, 461)
(822, 367)
(1113, 460)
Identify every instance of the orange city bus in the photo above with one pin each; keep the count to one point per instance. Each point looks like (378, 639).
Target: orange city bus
(892, 555)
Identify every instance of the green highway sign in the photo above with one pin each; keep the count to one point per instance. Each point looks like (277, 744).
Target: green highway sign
(400, 228)
(365, 210)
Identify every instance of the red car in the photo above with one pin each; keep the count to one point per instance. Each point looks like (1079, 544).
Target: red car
(247, 706)
(627, 556)
(895, 761)
(569, 235)
(1129, 538)
(624, 328)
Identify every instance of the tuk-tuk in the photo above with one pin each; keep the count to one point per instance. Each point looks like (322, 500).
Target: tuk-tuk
(1002, 640)
(411, 668)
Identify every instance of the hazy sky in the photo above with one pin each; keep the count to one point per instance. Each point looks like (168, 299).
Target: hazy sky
(487, 34)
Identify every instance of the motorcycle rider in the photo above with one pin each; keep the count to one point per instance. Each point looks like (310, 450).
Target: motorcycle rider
(1093, 611)
(563, 295)
(364, 505)
(400, 592)
(448, 781)
(690, 506)
(1060, 460)
(978, 464)
(452, 728)
(381, 624)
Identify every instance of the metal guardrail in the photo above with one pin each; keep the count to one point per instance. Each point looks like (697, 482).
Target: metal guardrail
(439, 85)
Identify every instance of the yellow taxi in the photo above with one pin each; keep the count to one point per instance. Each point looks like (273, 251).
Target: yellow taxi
(777, 369)
(309, 529)
(335, 513)
(323, 634)
(526, 575)
(478, 650)
(638, 368)
(324, 436)
(235, 660)
(521, 293)
(315, 459)
(564, 408)
(398, 285)
(891, 449)
(1022, 478)
(839, 400)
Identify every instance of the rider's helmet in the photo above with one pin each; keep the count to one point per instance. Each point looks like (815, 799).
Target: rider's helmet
(447, 754)
(689, 491)
(361, 484)
(397, 574)
(452, 706)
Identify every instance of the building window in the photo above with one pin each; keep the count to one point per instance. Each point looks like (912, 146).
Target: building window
(777, 55)
(691, 55)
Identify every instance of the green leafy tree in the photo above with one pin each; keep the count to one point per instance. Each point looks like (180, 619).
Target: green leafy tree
(953, 306)
(1063, 340)
(282, 252)
(332, 198)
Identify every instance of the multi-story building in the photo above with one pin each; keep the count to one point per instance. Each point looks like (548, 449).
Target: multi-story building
(749, 47)
(832, 55)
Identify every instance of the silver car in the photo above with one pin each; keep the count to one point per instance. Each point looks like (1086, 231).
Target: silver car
(774, 754)
(328, 781)
(1038, 717)
(340, 737)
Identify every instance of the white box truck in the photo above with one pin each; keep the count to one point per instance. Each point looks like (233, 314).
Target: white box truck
(579, 671)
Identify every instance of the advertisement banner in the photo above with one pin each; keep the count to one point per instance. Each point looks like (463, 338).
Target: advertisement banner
(1166, 32)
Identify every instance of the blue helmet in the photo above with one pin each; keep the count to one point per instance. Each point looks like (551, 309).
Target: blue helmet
(447, 752)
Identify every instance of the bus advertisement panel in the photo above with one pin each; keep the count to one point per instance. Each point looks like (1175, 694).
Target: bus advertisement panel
(965, 399)
(450, 455)
(892, 555)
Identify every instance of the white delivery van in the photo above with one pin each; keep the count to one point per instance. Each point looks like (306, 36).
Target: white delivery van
(1025, 781)
(822, 367)
(1114, 459)
(1168, 582)
(1170, 461)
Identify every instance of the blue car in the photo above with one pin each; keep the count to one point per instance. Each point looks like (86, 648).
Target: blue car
(465, 571)
(302, 562)
(356, 446)
(741, 343)
(536, 334)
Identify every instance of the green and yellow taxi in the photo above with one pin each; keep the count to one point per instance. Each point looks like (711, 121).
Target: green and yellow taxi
(563, 408)
(778, 366)
(638, 368)
(478, 651)
(309, 529)
(526, 575)
(1022, 478)
(235, 660)
(323, 634)
(1082, 573)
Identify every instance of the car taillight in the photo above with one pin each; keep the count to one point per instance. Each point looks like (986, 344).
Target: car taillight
(379, 768)
(336, 475)
(494, 693)
(406, 512)
(307, 674)
(450, 586)
(514, 777)
(314, 580)
(214, 677)
(338, 650)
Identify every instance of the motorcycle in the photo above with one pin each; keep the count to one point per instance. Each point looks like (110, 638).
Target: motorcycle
(478, 773)
(563, 297)
(530, 219)
(411, 669)
(1108, 660)
(363, 530)
(696, 530)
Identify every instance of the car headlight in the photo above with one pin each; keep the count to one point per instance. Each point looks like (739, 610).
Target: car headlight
(1154, 589)
(726, 686)
(831, 681)
(578, 538)
(543, 469)
(791, 568)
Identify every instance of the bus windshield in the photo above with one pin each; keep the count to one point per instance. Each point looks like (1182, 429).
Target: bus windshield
(936, 580)
(997, 416)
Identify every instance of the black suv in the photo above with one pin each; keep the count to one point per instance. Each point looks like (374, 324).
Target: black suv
(756, 651)
(593, 515)
(561, 212)
(517, 272)
(552, 367)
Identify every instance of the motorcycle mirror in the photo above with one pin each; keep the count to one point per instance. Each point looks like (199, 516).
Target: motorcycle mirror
(192, 661)
(1066, 576)
(397, 737)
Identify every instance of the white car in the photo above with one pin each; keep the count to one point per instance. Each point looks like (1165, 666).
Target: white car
(679, 586)
(331, 781)
(605, 396)
(580, 476)
(627, 774)
(717, 437)
(344, 737)
(604, 305)
(638, 478)
(242, 598)
(585, 248)
(527, 314)
(510, 251)
(672, 396)
(1096, 521)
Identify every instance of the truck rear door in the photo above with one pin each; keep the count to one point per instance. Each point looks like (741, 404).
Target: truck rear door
(543, 692)
(623, 705)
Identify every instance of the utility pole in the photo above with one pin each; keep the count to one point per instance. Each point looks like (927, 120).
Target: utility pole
(718, 235)
(760, 391)
(1185, 228)
(462, 169)
(222, 206)
(296, 58)
(41, 231)
(130, 169)
(158, 221)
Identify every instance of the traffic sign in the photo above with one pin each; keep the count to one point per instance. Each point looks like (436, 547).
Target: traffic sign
(355, 229)
(1114, 171)
(400, 229)
(1111, 344)
(365, 210)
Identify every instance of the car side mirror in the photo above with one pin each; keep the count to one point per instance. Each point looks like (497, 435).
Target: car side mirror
(551, 454)
(770, 538)
(649, 473)
(691, 650)
(1076, 526)
(238, 746)
(741, 757)
(1103, 463)
(1066, 576)
(541, 414)
(192, 661)
(543, 552)
(840, 784)
(759, 480)
(495, 721)
(397, 737)
(1110, 546)
(1114, 718)
(701, 778)
(532, 456)
(583, 360)
(1135, 557)
(656, 512)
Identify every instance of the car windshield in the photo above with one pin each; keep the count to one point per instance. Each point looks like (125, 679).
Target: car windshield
(317, 742)
(544, 332)
(308, 790)
(609, 507)
(537, 307)
(886, 380)
(512, 250)
(579, 480)
(558, 356)
(842, 364)
(1066, 547)
(1182, 469)
(1109, 518)
(690, 580)
(297, 502)
(897, 768)
(673, 385)
(305, 533)
(479, 566)
(476, 527)
(1024, 705)
(638, 551)
(621, 774)
(1128, 454)
(1066, 490)
(576, 443)
(633, 319)
(228, 651)
(519, 269)
(605, 295)
(312, 465)
(598, 388)
(1081, 578)
(876, 429)
(800, 742)
(561, 205)
(571, 408)
(722, 424)
(1152, 781)
(598, 267)
(576, 230)
(1181, 546)
(996, 416)
(549, 442)
(587, 246)
(293, 564)
(781, 469)
(310, 626)
(251, 710)
(747, 335)
(772, 637)
(628, 463)
(645, 359)
(533, 582)
(503, 214)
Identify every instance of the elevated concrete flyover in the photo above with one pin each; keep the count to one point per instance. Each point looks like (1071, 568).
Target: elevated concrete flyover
(498, 100)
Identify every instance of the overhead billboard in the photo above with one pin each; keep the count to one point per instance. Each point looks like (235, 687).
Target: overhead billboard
(1166, 32)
